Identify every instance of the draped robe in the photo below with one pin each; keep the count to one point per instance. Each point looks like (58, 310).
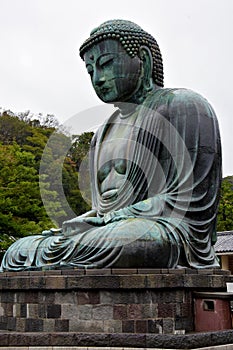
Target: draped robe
(164, 213)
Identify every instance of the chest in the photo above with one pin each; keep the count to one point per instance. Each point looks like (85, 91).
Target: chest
(117, 140)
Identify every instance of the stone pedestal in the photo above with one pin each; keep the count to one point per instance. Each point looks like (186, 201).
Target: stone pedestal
(102, 304)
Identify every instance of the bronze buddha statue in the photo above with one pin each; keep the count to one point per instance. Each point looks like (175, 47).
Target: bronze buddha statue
(155, 169)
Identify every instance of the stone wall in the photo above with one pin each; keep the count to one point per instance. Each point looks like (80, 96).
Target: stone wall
(104, 301)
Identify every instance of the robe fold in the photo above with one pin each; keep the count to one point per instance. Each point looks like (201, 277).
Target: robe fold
(164, 213)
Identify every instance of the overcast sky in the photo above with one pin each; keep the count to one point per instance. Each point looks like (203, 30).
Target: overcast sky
(41, 70)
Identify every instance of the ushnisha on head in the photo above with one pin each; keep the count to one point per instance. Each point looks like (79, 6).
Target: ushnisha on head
(132, 38)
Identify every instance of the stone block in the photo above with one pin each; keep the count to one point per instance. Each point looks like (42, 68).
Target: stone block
(112, 326)
(54, 311)
(92, 341)
(134, 311)
(16, 310)
(52, 272)
(166, 310)
(119, 312)
(117, 297)
(32, 310)
(37, 282)
(217, 280)
(132, 340)
(61, 326)
(87, 326)
(85, 312)
(103, 312)
(172, 281)
(92, 282)
(196, 281)
(26, 339)
(23, 310)
(221, 272)
(70, 311)
(55, 282)
(46, 298)
(33, 325)
(20, 324)
(48, 325)
(98, 272)
(141, 326)
(3, 322)
(153, 281)
(168, 326)
(31, 297)
(37, 273)
(42, 310)
(186, 323)
(176, 271)
(4, 339)
(7, 297)
(20, 297)
(65, 297)
(19, 283)
(128, 326)
(7, 309)
(11, 323)
(149, 271)
(205, 271)
(185, 309)
(88, 297)
(149, 311)
(70, 272)
(132, 282)
(124, 272)
(179, 296)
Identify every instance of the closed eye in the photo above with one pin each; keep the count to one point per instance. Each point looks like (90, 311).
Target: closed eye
(104, 60)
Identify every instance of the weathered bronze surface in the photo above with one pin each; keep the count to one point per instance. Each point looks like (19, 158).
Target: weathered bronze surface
(155, 169)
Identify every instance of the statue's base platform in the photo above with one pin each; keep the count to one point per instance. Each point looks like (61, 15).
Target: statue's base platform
(124, 308)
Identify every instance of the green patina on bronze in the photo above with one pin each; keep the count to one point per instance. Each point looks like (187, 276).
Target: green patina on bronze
(155, 168)
(131, 37)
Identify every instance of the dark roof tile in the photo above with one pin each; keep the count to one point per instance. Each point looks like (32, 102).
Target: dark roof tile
(224, 242)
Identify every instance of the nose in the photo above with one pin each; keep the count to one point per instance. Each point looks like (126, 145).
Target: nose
(98, 78)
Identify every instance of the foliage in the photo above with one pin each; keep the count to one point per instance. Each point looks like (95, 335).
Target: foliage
(80, 147)
(23, 139)
(22, 210)
(225, 211)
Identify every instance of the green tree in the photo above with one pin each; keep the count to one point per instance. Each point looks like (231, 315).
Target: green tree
(22, 211)
(13, 129)
(225, 211)
(23, 141)
(80, 147)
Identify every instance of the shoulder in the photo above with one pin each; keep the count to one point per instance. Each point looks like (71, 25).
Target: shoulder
(172, 97)
(188, 101)
(184, 96)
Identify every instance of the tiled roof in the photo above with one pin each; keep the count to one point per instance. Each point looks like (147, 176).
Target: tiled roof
(224, 242)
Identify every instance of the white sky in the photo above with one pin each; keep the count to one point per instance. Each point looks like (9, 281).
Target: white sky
(40, 69)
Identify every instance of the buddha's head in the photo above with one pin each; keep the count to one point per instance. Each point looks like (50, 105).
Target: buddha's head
(124, 62)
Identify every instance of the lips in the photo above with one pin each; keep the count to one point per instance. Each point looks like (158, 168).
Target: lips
(104, 90)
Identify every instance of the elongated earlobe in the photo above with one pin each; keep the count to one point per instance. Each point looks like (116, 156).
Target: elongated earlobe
(147, 65)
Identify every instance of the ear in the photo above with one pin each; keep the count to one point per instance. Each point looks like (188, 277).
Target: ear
(147, 65)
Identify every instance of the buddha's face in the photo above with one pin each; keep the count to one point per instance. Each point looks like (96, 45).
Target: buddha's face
(114, 74)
